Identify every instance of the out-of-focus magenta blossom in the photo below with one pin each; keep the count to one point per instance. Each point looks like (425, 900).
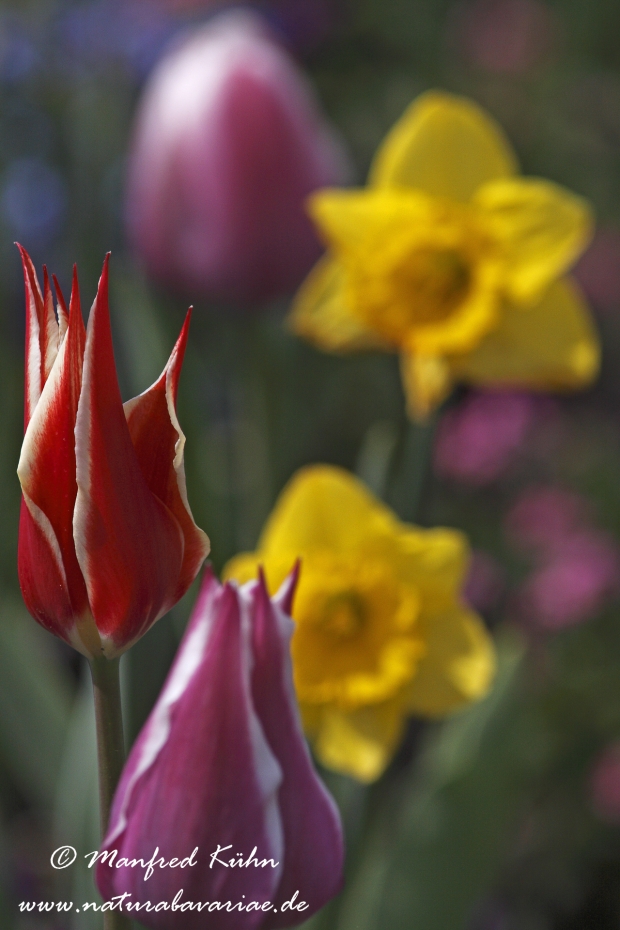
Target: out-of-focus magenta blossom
(229, 142)
(598, 270)
(605, 784)
(485, 581)
(221, 766)
(505, 36)
(478, 439)
(575, 584)
(543, 518)
(577, 567)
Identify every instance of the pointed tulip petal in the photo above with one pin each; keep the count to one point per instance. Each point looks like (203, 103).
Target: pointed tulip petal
(159, 443)
(444, 145)
(313, 841)
(61, 306)
(41, 335)
(46, 471)
(201, 774)
(128, 544)
(286, 593)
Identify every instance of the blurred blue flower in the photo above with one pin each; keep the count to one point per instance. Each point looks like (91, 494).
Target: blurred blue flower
(33, 200)
(18, 52)
(99, 33)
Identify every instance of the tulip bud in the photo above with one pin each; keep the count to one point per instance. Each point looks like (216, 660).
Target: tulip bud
(107, 542)
(220, 778)
(229, 142)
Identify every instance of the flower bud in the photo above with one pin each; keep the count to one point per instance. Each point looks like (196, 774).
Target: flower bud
(221, 776)
(229, 142)
(107, 541)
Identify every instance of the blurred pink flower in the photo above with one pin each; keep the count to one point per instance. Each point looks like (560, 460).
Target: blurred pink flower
(574, 585)
(605, 784)
(598, 270)
(543, 517)
(229, 142)
(485, 581)
(505, 36)
(478, 439)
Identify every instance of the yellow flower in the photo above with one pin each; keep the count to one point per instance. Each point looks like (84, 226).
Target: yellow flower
(380, 629)
(452, 260)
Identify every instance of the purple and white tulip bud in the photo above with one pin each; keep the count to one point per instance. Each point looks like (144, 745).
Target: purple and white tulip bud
(228, 144)
(219, 792)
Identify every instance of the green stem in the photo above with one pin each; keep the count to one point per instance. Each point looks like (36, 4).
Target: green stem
(411, 469)
(110, 751)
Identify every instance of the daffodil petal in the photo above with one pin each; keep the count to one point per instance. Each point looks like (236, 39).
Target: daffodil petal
(444, 145)
(459, 664)
(542, 229)
(324, 508)
(360, 743)
(435, 561)
(321, 316)
(552, 346)
(427, 381)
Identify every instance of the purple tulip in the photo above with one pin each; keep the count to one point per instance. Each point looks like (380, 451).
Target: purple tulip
(229, 142)
(219, 789)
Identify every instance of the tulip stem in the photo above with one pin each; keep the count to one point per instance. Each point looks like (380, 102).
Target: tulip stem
(110, 751)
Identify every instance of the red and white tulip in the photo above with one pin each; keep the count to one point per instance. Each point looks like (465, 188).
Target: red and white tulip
(107, 542)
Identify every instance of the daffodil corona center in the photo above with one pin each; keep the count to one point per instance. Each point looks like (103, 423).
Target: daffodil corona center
(433, 282)
(343, 615)
(356, 640)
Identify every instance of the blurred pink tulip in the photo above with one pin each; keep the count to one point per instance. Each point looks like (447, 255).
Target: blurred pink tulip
(221, 766)
(228, 144)
(605, 784)
(478, 439)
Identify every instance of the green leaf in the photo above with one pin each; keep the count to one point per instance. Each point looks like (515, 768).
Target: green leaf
(35, 704)
(437, 839)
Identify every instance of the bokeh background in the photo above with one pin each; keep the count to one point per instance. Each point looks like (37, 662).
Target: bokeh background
(506, 817)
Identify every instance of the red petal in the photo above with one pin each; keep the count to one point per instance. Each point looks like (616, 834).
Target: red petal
(129, 545)
(61, 306)
(47, 559)
(159, 443)
(42, 577)
(41, 335)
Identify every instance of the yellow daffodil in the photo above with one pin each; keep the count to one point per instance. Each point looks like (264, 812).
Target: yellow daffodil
(381, 631)
(452, 260)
